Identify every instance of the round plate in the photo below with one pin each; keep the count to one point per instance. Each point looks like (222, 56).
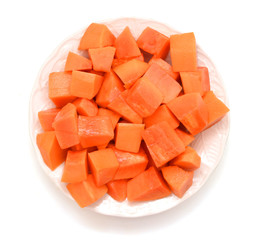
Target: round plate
(209, 144)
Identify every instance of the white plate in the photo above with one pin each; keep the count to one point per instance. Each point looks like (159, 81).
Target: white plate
(209, 144)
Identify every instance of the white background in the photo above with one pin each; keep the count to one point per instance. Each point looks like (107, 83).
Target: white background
(32, 207)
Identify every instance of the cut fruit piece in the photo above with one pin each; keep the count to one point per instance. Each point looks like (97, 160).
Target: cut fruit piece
(75, 169)
(50, 150)
(130, 164)
(76, 62)
(85, 193)
(192, 82)
(46, 118)
(147, 186)
(162, 142)
(131, 71)
(191, 110)
(112, 115)
(86, 107)
(168, 86)
(117, 189)
(103, 164)
(102, 58)
(205, 78)
(154, 42)
(144, 97)
(59, 88)
(183, 52)
(85, 85)
(128, 136)
(178, 179)
(94, 131)
(96, 36)
(162, 114)
(185, 136)
(65, 126)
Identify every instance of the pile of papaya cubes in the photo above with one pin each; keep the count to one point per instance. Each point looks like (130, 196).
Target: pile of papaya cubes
(123, 123)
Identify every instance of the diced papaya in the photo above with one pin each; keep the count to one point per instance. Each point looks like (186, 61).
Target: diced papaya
(75, 169)
(205, 79)
(86, 192)
(112, 115)
(192, 82)
(169, 87)
(110, 89)
(128, 136)
(216, 108)
(178, 179)
(50, 150)
(147, 186)
(59, 88)
(191, 111)
(130, 164)
(85, 85)
(103, 164)
(76, 62)
(154, 42)
(185, 136)
(86, 107)
(94, 131)
(162, 142)
(131, 71)
(96, 36)
(166, 66)
(102, 58)
(183, 52)
(126, 46)
(46, 118)
(162, 113)
(188, 160)
(117, 189)
(120, 106)
(118, 61)
(144, 97)
(65, 126)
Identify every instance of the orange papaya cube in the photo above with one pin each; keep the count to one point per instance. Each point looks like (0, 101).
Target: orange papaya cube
(86, 107)
(46, 118)
(75, 169)
(144, 97)
(77, 62)
(112, 115)
(102, 58)
(166, 66)
(50, 149)
(110, 89)
(205, 79)
(147, 186)
(117, 189)
(179, 180)
(192, 82)
(168, 86)
(131, 71)
(119, 61)
(126, 46)
(162, 114)
(128, 136)
(85, 85)
(86, 192)
(183, 52)
(94, 131)
(162, 142)
(65, 126)
(103, 164)
(130, 164)
(120, 106)
(154, 42)
(188, 160)
(216, 108)
(59, 88)
(96, 36)
(191, 111)
(185, 136)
